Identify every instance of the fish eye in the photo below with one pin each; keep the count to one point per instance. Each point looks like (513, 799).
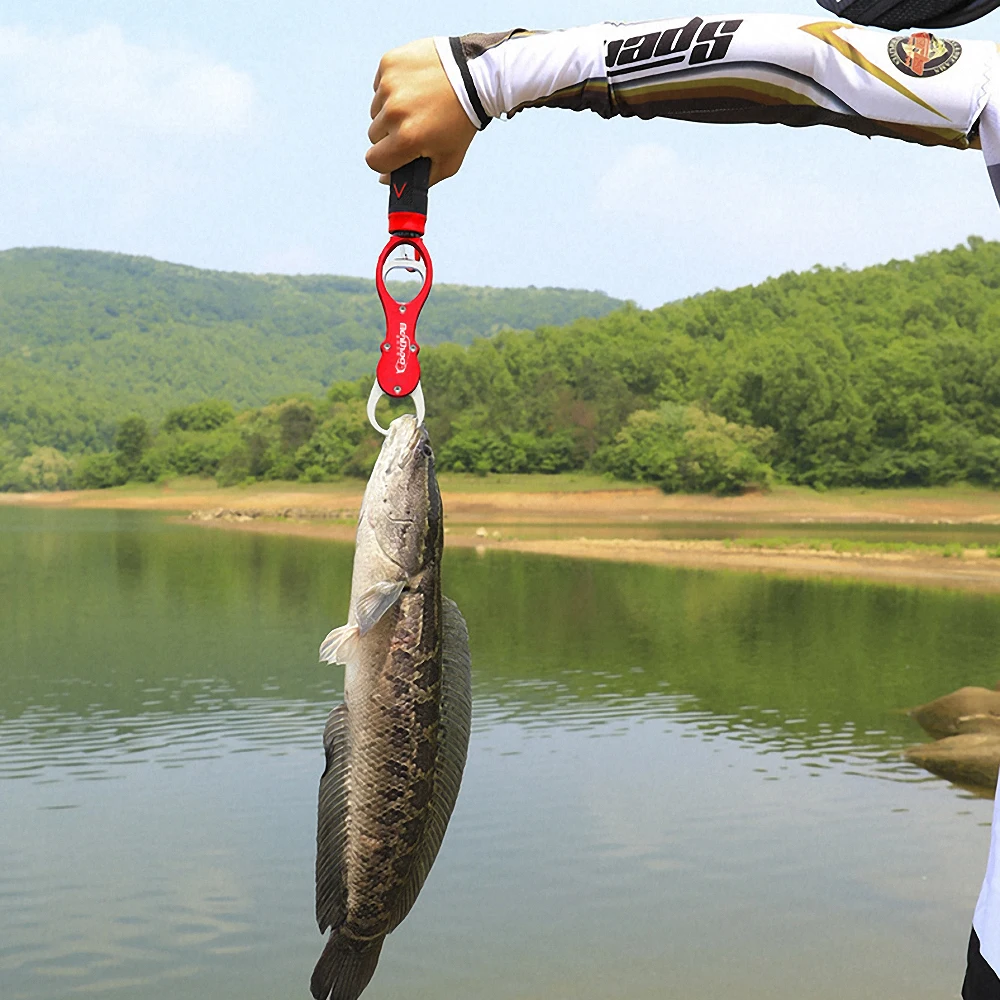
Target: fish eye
(427, 449)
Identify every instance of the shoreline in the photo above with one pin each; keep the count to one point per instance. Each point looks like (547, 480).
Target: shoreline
(622, 524)
(561, 499)
(972, 572)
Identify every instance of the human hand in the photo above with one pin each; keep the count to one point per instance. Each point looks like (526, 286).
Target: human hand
(416, 113)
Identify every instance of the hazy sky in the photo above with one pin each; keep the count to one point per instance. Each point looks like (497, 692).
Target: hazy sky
(231, 135)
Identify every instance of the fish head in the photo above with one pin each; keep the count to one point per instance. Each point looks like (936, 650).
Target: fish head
(402, 503)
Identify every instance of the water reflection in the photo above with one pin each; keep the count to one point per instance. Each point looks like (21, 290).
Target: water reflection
(118, 625)
(667, 767)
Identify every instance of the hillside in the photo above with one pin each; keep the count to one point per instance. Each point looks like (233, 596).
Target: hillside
(887, 376)
(132, 333)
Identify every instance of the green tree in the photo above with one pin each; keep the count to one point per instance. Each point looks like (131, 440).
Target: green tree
(204, 416)
(685, 448)
(44, 469)
(132, 440)
(98, 472)
(297, 420)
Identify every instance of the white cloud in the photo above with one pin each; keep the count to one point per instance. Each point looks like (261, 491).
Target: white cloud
(80, 94)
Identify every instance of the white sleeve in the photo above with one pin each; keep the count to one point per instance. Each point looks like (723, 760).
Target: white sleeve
(766, 68)
(986, 921)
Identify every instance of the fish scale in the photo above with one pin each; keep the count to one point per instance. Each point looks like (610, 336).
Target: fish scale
(404, 709)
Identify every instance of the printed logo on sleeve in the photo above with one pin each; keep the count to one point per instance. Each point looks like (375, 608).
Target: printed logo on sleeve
(922, 54)
(662, 48)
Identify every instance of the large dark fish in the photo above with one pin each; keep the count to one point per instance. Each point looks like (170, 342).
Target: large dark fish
(396, 748)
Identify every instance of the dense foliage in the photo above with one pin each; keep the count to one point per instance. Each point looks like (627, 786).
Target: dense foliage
(115, 334)
(686, 449)
(882, 377)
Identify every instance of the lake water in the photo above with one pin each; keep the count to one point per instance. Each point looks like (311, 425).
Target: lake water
(680, 784)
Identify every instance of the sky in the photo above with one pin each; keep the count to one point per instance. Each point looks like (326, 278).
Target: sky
(230, 134)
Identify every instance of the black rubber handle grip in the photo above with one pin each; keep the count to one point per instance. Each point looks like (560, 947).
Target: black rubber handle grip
(408, 187)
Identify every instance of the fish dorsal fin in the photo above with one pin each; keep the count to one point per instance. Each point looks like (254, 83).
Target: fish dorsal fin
(341, 645)
(331, 831)
(453, 747)
(375, 602)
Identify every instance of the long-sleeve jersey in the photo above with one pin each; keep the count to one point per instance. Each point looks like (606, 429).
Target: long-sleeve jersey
(765, 68)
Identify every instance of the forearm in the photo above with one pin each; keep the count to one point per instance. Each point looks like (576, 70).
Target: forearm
(755, 68)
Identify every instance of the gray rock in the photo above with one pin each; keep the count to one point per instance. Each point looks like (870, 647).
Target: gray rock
(967, 710)
(971, 759)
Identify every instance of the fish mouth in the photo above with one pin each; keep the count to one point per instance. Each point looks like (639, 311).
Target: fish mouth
(401, 451)
(418, 440)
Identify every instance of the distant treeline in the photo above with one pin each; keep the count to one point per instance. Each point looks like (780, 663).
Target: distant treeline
(88, 336)
(888, 376)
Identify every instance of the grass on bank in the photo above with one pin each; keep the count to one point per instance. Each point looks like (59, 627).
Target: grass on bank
(450, 482)
(853, 546)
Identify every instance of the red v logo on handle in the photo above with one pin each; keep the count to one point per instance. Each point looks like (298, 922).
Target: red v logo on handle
(399, 190)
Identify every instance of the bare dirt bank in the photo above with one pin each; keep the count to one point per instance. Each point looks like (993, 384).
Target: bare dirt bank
(470, 500)
(973, 571)
(557, 523)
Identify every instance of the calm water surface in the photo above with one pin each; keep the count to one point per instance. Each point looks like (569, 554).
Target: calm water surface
(680, 784)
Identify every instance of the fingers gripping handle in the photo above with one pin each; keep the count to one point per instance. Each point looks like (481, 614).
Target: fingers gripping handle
(408, 198)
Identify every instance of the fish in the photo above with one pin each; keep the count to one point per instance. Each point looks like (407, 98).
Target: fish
(396, 747)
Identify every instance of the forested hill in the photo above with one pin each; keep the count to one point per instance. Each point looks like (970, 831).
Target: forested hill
(886, 376)
(141, 334)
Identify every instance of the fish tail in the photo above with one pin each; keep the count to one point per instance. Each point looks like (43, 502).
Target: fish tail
(345, 968)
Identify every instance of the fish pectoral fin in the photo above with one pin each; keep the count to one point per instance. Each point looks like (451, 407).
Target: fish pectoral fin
(341, 645)
(375, 602)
